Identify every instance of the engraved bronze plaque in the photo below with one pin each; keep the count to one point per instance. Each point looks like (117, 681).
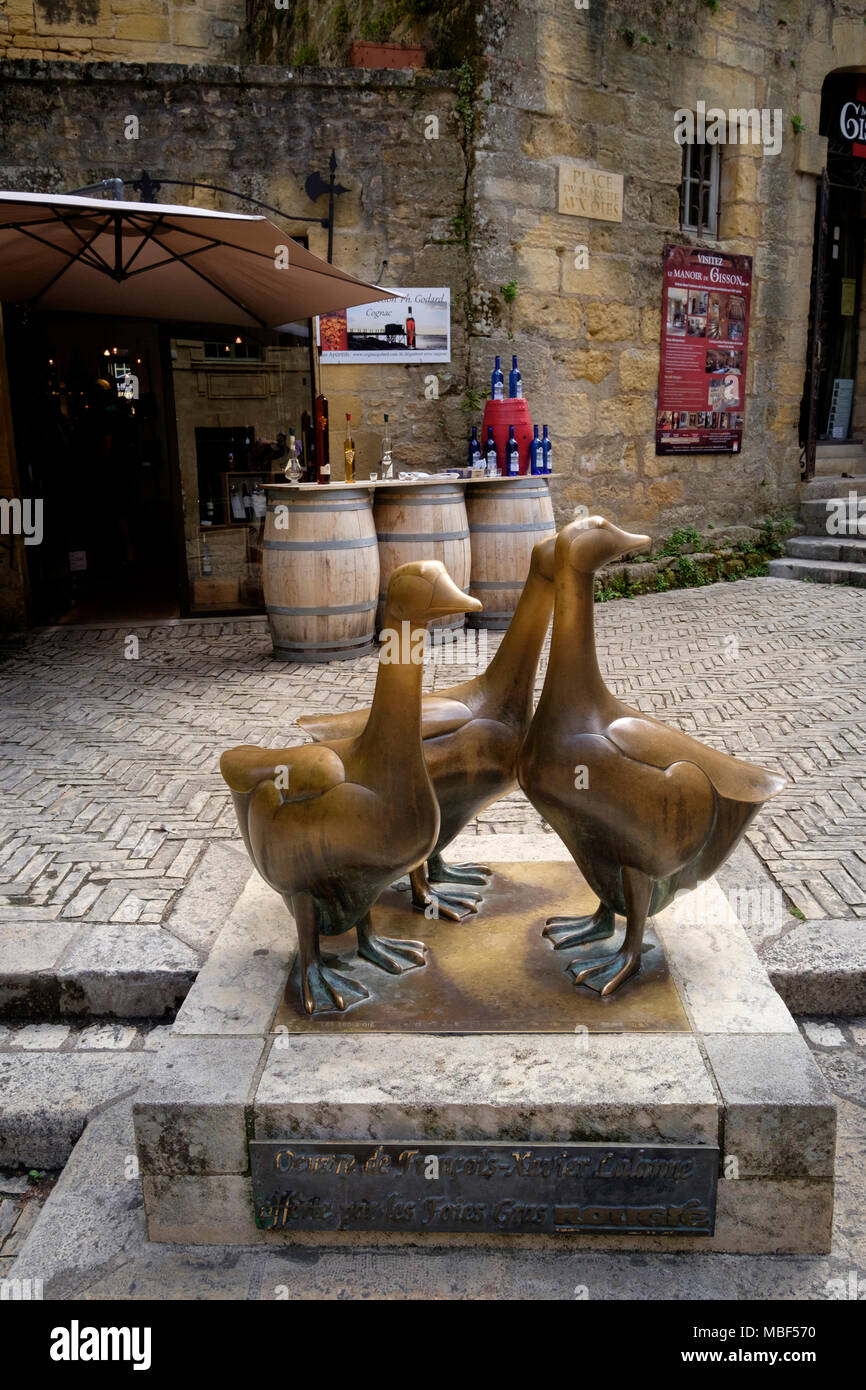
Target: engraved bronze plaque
(495, 972)
(485, 1188)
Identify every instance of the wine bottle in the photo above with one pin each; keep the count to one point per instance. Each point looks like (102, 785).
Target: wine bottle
(497, 383)
(410, 329)
(474, 449)
(536, 454)
(387, 466)
(349, 452)
(515, 381)
(512, 455)
(308, 449)
(546, 450)
(490, 454)
(323, 450)
(236, 503)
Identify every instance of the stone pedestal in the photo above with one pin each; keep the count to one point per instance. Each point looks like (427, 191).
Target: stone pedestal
(733, 1073)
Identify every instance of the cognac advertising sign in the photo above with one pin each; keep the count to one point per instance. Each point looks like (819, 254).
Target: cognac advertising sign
(702, 372)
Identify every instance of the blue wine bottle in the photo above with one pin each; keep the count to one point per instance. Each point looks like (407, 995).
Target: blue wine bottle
(474, 449)
(490, 457)
(497, 383)
(546, 451)
(536, 454)
(512, 454)
(515, 381)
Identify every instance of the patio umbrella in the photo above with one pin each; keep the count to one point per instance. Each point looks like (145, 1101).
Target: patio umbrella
(155, 260)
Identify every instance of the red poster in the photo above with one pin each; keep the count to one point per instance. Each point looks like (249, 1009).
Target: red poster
(705, 333)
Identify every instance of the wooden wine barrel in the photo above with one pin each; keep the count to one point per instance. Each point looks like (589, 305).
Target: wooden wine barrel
(422, 521)
(506, 519)
(320, 572)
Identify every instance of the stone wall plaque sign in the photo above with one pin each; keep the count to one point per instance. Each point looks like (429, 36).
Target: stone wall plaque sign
(484, 1188)
(587, 192)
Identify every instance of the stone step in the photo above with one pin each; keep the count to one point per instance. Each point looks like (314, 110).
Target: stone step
(849, 551)
(849, 457)
(834, 516)
(834, 485)
(820, 571)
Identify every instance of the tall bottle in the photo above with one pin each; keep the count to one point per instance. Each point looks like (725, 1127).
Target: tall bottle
(515, 381)
(387, 469)
(512, 455)
(546, 450)
(497, 383)
(410, 329)
(323, 452)
(293, 469)
(474, 449)
(308, 449)
(349, 452)
(536, 454)
(490, 458)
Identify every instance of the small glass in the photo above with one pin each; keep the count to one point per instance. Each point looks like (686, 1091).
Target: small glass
(373, 476)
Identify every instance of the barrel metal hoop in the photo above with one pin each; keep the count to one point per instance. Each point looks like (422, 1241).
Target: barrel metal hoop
(518, 526)
(360, 544)
(516, 496)
(495, 584)
(421, 536)
(284, 612)
(325, 646)
(414, 501)
(304, 507)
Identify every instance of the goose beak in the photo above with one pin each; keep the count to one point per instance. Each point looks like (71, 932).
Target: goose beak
(447, 598)
(635, 542)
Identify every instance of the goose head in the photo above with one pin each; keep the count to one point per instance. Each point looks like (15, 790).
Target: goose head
(543, 561)
(591, 542)
(423, 590)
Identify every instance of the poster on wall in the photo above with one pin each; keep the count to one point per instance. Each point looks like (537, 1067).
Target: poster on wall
(706, 298)
(416, 328)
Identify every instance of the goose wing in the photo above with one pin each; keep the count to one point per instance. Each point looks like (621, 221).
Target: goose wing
(304, 772)
(648, 741)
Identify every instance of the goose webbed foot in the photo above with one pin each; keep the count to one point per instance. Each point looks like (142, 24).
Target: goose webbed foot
(440, 872)
(564, 932)
(607, 974)
(453, 906)
(324, 990)
(388, 953)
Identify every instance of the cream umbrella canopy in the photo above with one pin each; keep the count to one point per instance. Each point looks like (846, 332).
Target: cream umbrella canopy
(156, 260)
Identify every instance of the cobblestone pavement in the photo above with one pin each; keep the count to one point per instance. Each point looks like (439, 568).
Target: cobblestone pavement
(111, 789)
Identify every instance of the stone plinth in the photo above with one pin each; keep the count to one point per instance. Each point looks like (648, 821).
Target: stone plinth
(740, 1078)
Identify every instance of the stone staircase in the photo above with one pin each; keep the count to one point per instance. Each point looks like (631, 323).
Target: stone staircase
(818, 554)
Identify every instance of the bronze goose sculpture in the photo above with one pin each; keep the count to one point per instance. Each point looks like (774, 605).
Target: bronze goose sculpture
(330, 825)
(645, 811)
(472, 735)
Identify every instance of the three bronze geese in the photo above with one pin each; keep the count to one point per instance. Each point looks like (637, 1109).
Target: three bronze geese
(644, 810)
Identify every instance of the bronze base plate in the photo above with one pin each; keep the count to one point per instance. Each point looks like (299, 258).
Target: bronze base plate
(494, 972)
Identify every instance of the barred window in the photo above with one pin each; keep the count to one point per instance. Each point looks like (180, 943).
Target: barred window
(699, 190)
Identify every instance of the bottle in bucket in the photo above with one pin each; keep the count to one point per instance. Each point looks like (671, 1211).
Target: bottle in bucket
(497, 383)
(512, 455)
(515, 382)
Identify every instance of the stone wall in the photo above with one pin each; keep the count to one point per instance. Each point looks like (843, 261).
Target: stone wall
(601, 85)
(262, 130)
(127, 30)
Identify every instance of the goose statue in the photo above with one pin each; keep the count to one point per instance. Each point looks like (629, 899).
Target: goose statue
(472, 735)
(644, 810)
(330, 825)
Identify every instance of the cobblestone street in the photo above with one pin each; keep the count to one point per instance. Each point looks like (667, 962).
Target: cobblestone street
(112, 790)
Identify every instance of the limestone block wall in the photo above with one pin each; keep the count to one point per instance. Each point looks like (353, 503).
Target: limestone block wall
(601, 85)
(129, 30)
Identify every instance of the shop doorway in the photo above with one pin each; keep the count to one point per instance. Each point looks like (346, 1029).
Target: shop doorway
(831, 389)
(92, 414)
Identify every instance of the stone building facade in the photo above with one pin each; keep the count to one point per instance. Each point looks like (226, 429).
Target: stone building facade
(474, 206)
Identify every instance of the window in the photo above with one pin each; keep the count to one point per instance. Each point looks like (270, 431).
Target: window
(699, 190)
(233, 352)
